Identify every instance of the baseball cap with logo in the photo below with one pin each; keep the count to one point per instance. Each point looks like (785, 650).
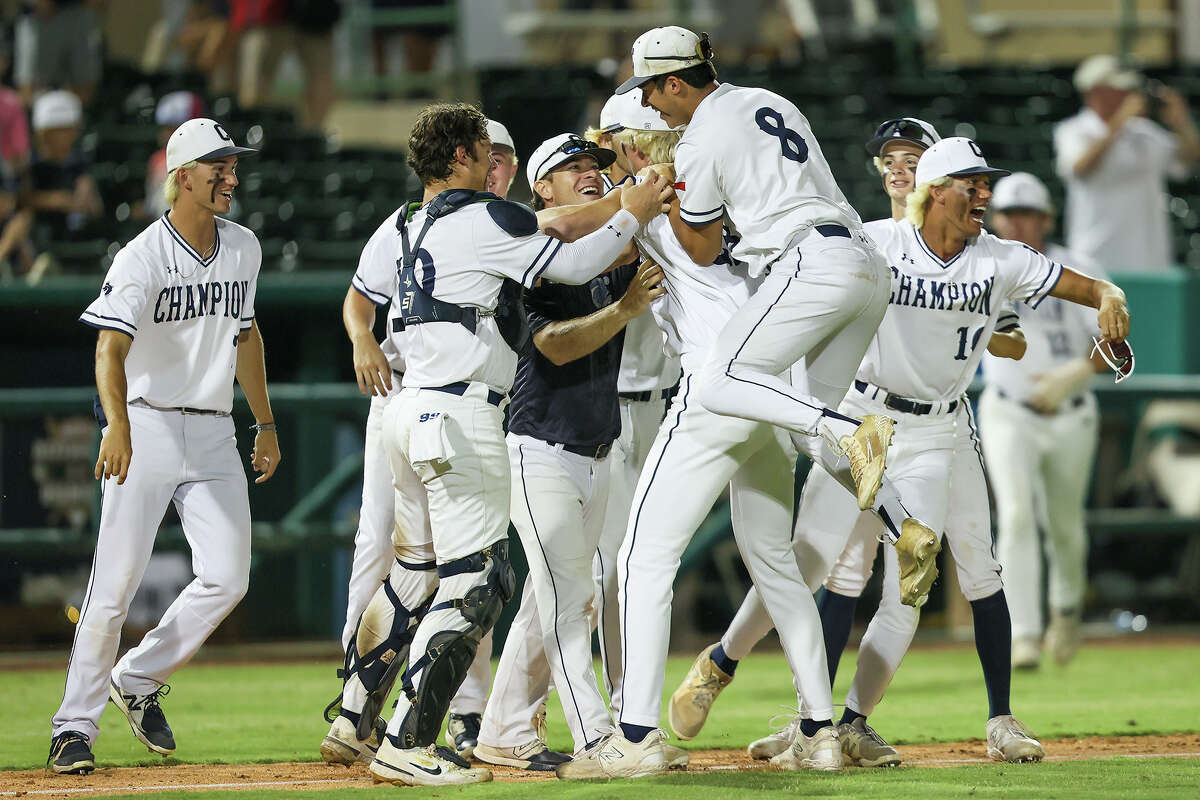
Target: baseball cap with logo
(201, 139)
(1104, 70)
(664, 50)
(177, 108)
(500, 135)
(1021, 190)
(563, 148)
(905, 129)
(955, 157)
(58, 109)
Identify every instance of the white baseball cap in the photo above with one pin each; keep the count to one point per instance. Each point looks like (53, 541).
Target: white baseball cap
(905, 129)
(1021, 190)
(201, 139)
(626, 111)
(500, 135)
(1104, 70)
(664, 50)
(561, 149)
(57, 109)
(954, 158)
(177, 108)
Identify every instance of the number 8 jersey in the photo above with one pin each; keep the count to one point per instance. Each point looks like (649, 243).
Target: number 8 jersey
(941, 314)
(749, 155)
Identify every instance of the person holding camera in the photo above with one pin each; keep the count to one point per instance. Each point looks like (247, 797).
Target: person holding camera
(1115, 161)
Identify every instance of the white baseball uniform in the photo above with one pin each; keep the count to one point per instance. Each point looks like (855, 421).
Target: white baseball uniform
(940, 317)
(1041, 461)
(446, 422)
(184, 313)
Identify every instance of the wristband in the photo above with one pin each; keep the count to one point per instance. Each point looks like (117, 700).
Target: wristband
(265, 426)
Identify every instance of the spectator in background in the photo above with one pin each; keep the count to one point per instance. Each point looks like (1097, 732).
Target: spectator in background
(1115, 162)
(193, 34)
(173, 110)
(58, 44)
(64, 195)
(16, 257)
(420, 42)
(266, 29)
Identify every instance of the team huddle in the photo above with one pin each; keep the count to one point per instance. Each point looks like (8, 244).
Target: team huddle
(690, 304)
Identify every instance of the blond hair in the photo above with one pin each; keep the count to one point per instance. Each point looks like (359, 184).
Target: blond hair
(658, 146)
(879, 167)
(917, 202)
(593, 135)
(171, 185)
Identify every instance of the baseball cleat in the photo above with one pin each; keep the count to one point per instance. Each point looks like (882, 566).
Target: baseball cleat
(863, 747)
(867, 450)
(1064, 634)
(693, 699)
(1026, 653)
(1009, 740)
(821, 751)
(677, 757)
(70, 754)
(341, 744)
(462, 733)
(433, 765)
(917, 550)
(776, 743)
(616, 757)
(145, 717)
(533, 756)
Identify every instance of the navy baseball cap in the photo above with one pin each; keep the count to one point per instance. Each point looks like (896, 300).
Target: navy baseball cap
(905, 129)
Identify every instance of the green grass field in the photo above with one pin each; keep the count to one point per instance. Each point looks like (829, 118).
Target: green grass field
(264, 713)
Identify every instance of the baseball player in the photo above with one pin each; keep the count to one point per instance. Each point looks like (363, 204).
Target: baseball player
(458, 248)
(1038, 422)
(384, 634)
(563, 419)
(897, 148)
(176, 322)
(619, 171)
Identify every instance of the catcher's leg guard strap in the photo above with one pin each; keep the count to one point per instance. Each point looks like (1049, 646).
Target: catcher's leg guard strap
(444, 664)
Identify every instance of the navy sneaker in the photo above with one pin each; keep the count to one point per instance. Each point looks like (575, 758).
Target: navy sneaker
(70, 754)
(145, 717)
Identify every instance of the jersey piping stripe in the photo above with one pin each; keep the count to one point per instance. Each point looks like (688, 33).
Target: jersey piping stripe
(110, 319)
(1035, 303)
(191, 250)
(978, 454)
(935, 256)
(637, 518)
(553, 588)
(605, 650)
(545, 247)
(100, 327)
(746, 341)
(357, 284)
(701, 217)
(527, 279)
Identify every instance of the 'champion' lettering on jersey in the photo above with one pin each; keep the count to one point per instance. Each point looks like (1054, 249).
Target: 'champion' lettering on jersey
(941, 295)
(207, 298)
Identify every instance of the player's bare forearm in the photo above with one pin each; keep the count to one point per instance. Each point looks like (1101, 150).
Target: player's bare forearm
(116, 447)
(1103, 295)
(251, 373)
(371, 368)
(564, 341)
(569, 223)
(1008, 344)
(701, 242)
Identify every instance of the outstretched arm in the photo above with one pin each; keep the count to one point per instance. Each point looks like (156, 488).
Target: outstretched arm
(1113, 319)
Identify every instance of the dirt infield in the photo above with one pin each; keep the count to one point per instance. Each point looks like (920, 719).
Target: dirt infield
(301, 775)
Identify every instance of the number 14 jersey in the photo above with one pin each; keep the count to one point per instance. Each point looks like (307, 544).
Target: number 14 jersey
(941, 314)
(750, 156)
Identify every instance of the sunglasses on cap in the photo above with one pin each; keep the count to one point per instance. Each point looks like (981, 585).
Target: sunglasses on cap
(904, 129)
(1118, 356)
(704, 52)
(570, 147)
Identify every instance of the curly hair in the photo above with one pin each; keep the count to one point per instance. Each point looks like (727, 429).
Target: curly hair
(437, 134)
(917, 202)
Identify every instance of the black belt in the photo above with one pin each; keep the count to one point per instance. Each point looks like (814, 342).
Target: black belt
(1067, 405)
(596, 451)
(903, 404)
(833, 230)
(208, 412)
(642, 397)
(460, 388)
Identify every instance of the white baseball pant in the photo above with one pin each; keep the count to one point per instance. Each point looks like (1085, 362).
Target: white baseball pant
(190, 460)
(696, 455)
(1040, 461)
(521, 680)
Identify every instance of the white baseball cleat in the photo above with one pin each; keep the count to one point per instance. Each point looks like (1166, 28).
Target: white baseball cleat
(1026, 653)
(533, 756)
(692, 701)
(677, 757)
(616, 757)
(863, 747)
(341, 744)
(821, 751)
(1009, 740)
(776, 743)
(1064, 635)
(433, 765)
(867, 450)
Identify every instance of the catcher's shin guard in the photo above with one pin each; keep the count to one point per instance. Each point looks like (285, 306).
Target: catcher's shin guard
(449, 653)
